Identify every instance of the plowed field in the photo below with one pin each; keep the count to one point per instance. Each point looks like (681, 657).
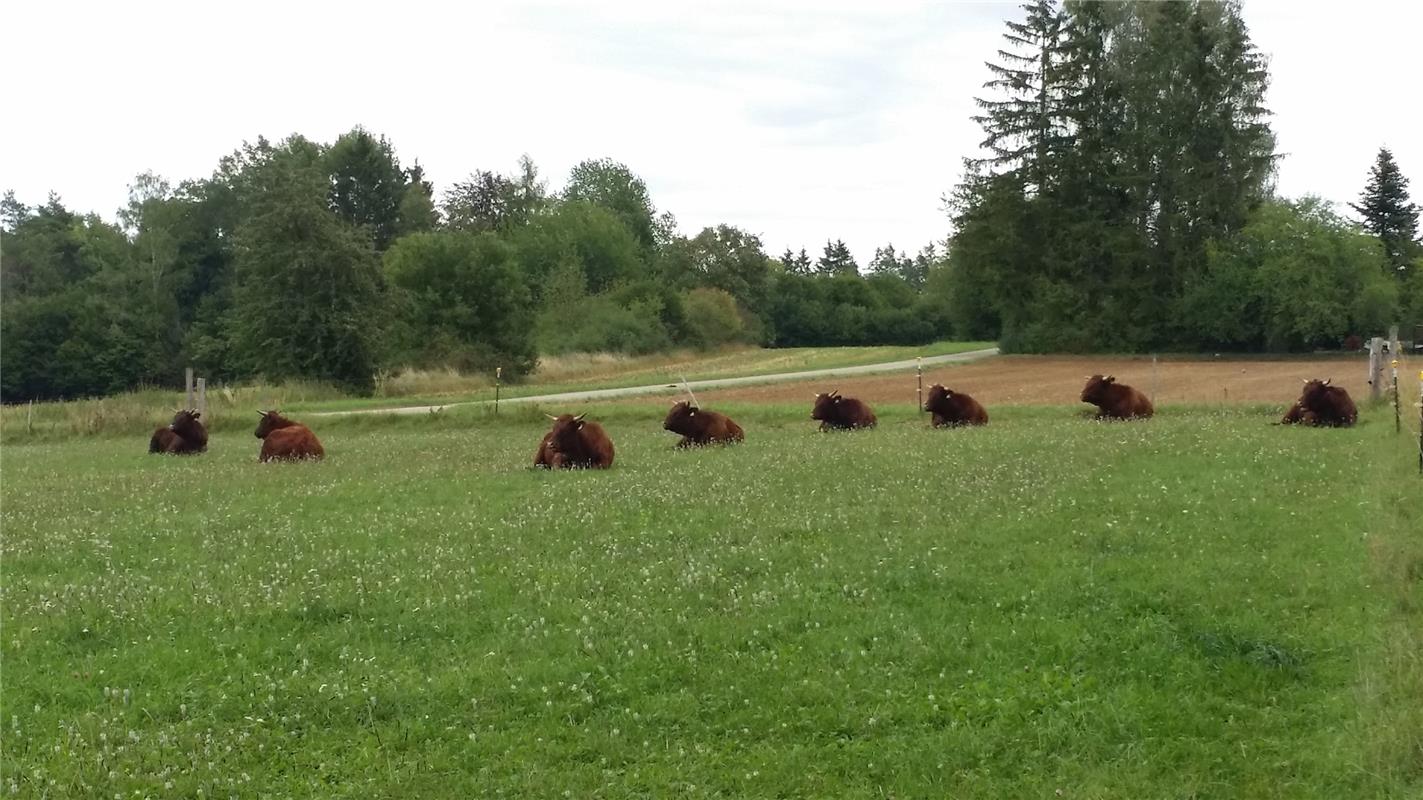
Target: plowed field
(1058, 380)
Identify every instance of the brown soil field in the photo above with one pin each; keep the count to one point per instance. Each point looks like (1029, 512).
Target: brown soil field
(1058, 380)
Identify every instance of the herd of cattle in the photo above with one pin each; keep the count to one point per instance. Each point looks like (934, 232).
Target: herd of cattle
(576, 443)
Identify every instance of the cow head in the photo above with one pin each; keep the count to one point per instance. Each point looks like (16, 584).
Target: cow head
(682, 418)
(1314, 394)
(185, 422)
(827, 406)
(565, 432)
(1096, 388)
(937, 395)
(271, 420)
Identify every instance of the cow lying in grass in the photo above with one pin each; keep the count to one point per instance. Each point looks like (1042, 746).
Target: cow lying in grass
(183, 436)
(1116, 400)
(699, 426)
(574, 443)
(1323, 405)
(285, 440)
(841, 413)
(952, 409)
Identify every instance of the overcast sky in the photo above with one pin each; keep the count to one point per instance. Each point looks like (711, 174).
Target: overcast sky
(799, 121)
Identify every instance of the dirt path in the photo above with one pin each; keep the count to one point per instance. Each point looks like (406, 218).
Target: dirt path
(713, 384)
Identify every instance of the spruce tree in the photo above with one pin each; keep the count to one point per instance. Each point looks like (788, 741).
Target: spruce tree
(1024, 127)
(836, 260)
(1387, 212)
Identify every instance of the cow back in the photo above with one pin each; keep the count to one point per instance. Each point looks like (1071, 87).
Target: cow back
(1120, 401)
(958, 409)
(854, 413)
(294, 442)
(597, 447)
(164, 440)
(711, 427)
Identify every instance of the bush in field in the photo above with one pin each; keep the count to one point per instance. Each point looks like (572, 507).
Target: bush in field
(630, 319)
(714, 318)
(460, 301)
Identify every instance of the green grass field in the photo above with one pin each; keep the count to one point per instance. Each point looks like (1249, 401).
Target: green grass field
(132, 413)
(1199, 606)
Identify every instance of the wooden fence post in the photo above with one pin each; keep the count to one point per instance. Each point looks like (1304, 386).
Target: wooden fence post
(1375, 366)
(188, 387)
(203, 397)
(919, 370)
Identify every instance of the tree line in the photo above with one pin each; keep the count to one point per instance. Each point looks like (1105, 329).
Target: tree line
(1126, 203)
(333, 262)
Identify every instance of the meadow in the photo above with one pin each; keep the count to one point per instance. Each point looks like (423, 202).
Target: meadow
(142, 409)
(1202, 605)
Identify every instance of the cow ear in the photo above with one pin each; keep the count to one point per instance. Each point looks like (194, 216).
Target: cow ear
(692, 412)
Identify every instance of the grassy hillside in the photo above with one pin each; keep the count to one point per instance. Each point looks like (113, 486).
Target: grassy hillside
(1203, 605)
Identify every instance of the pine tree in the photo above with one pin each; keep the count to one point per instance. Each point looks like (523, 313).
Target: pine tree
(1387, 213)
(1025, 129)
(836, 260)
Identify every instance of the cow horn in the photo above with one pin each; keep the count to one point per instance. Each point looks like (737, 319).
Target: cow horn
(1327, 380)
(261, 413)
(580, 417)
(550, 416)
(1304, 380)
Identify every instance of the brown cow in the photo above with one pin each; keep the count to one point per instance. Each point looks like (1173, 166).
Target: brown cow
(952, 409)
(284, 440)
(1116, 400)
(573, 443)
(184, 436)
(1297, 415)
(841, 413)
(1330, 405)
(699, 426)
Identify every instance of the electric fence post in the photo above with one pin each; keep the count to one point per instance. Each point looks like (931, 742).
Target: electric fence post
(919, 394)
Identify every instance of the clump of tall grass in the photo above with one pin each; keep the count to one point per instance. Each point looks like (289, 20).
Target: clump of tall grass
(567, 367)
(409, 382)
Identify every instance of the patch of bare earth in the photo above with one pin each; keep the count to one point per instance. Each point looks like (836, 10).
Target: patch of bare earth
(1058, 380)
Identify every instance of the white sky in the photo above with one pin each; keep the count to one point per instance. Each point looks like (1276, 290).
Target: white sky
(799, 121)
